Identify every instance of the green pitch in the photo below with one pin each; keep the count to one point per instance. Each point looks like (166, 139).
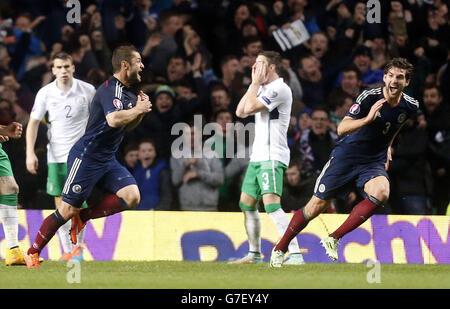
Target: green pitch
(218, 275)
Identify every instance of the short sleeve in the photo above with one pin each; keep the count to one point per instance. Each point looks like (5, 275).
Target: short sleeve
(39, 107)
(111, 98)
(361, 105)
(272, 98)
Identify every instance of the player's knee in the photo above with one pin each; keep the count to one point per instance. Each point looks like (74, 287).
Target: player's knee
(15, 189)
(381, 194)
(134, 201)
(132, 198)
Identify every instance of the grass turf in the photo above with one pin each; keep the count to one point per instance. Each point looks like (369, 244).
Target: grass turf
(219, 275)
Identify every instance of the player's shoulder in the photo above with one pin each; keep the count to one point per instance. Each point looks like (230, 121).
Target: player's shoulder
(282, 88)
(84, 85)
(411, 101)
(45, 89)
(369, 94)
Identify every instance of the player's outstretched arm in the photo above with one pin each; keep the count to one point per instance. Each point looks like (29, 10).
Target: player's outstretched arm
(349, 124)
(122, 118)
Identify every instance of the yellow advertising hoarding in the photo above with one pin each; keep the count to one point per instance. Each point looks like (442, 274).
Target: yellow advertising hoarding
(214, 236)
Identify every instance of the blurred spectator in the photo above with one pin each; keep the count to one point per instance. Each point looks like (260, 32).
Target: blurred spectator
(380, 53)
(140, 21)
(311, 80)
(5, 60)
(298, 186)
(165, 46)
(437, 115)
(152, 178)
(251, 47)
(26, 43)
(233, 165)
(303, 122)
(362, 59)
(101, 50)
(294, 83)
(96, 77)
(158, 124)
(316, 143)
(410, 172)
(232, 77)
(83, 57)
(297, 10)
(220, 99)
(130, 156)
(196, 178)
(340, 105)
(351, 84)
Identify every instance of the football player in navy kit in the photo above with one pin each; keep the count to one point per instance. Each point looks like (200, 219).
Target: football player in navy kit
(114, 109)
(360, 158)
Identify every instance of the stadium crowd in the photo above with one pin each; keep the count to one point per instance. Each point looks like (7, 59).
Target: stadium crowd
(198, 57)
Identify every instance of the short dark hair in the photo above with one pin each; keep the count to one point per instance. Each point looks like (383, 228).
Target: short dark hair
(221, 111)
(130, 147)
(432, 86)
(165, 16)
(251, 39)
(220, 87)
(227, 58)
(401, 63)
(275, 58)
(147, 140)
(321, 108)
(353, 68)
(62, 56)
(122, 53)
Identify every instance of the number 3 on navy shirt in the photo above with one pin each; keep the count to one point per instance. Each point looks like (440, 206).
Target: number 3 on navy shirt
(386, 129)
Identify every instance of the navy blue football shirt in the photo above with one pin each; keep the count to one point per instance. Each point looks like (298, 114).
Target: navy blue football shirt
(370, 142)
(100, 141)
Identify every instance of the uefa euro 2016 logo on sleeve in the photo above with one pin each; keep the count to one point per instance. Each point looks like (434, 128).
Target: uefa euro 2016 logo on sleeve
(354, 109)
(118, 104)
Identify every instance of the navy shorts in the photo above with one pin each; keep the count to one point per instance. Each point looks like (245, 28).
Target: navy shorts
(341, 176)
(84, 173)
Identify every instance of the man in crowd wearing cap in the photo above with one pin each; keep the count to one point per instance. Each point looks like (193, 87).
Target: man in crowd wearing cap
(158, 125)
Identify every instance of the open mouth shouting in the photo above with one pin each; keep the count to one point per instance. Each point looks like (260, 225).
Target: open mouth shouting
(393, 90)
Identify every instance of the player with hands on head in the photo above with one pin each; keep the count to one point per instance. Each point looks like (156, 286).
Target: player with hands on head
(269, 98)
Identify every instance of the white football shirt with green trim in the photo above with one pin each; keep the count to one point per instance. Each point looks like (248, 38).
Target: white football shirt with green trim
(271, 125)
(68, 114)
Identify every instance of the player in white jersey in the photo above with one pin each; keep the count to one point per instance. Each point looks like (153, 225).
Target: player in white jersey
(269, 98)
(65, 102)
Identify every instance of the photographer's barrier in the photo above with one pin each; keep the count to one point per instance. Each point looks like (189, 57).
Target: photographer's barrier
(209, 236)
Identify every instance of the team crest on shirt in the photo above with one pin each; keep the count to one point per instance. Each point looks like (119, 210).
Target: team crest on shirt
(76, 189)
(354, 109)
(322, 188)
(118, 104)
(272, 93)
(401, 118)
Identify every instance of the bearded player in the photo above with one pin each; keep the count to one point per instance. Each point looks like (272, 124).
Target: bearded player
(360, 158)
(114, 109)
